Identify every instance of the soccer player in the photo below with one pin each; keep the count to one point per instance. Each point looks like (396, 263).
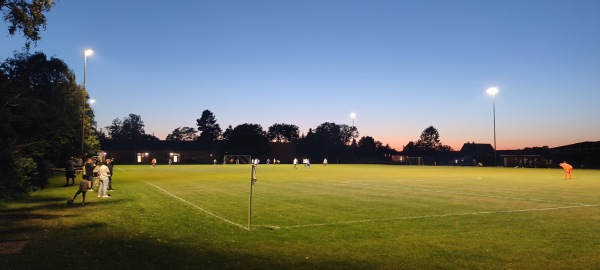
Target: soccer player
(568, 169)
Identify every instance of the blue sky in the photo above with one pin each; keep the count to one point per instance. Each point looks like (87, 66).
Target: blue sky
(401, 66)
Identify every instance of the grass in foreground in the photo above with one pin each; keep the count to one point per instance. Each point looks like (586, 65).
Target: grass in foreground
(338, 217)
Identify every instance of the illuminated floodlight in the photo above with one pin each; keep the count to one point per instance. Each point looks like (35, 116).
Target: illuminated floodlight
(492, 91)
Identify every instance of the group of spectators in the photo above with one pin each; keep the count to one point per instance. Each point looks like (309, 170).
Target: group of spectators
(95, 172)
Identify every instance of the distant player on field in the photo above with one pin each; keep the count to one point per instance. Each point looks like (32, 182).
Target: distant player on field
(568, 169)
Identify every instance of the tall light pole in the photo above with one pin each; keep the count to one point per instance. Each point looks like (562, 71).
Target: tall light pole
(493, 91)
(353, 115)
(86, 53)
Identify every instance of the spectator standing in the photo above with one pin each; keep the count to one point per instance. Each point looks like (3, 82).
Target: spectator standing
(88, 172)
(70, 171)
(103, 174)
(110, 165)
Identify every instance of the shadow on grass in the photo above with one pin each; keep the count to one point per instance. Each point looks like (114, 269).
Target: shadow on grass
(61, 236)
(117, 253)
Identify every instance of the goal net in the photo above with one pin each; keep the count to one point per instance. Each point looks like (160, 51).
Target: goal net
(414, 161)
(237, 159)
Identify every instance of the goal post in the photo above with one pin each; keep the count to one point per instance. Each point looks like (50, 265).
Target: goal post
(237, 159)
(414, 161)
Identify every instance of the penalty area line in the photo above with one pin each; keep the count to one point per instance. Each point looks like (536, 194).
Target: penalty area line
(436, 216)
(198, 207)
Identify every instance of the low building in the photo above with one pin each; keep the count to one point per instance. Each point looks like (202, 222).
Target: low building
(188, 152)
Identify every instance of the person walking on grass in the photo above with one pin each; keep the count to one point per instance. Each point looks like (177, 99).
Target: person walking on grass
(103, 174)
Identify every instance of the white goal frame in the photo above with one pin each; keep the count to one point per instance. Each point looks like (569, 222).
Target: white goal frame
(414, 161)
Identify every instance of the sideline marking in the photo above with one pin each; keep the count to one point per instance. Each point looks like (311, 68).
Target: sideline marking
(436, 216)
(465, 194)
(199, 208)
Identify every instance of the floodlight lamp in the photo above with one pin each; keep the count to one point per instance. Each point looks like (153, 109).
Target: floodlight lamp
(352, 115)
(88, 52)
(492, 91)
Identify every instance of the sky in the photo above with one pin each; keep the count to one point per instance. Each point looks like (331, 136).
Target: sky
(400, 66)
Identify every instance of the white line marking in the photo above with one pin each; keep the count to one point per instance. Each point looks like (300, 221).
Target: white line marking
(435, 216)
(465, 194)
(199, 208)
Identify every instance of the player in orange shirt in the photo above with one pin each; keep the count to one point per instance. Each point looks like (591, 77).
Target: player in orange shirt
(568, 169)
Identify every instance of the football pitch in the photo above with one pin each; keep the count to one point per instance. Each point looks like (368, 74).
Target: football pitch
(334, 217)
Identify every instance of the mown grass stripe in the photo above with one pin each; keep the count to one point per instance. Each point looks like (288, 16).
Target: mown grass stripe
(198, 207)
(432, 216)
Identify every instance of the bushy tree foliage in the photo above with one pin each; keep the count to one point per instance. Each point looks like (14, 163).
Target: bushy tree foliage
(328, 140)
(41, 110)
(210, 131)
(182, 134)
(248, 139)
(131, 129)
(428, 141)
(283, 133)
(26, 17)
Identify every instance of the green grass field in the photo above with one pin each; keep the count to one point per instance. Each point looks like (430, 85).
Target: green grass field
(335, 217)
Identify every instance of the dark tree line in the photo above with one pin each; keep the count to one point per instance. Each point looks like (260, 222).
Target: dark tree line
(328, 140)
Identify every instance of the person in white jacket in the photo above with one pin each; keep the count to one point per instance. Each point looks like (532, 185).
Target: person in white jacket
(104, 175)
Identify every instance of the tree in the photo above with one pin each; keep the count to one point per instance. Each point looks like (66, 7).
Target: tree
(283, 133)
(429, 141)
(210, 131)
(336, 134)
(133, 127)
(182, 134)
(40, 108)
(115, 129)
(248, 139)
(367, 146)
(26, 16)
(227, 133)
(328, 140)
(130, 129)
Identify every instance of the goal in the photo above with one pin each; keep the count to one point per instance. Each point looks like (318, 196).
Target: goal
(237, 159)
(414, 161)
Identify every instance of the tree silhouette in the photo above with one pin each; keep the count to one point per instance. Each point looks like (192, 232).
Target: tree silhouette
(131, 128)
(210, 131)
(428, 141)
(248, 139)
(283, 133)
(182, 134)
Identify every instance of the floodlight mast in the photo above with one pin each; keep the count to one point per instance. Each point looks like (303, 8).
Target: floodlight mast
(493, 91)
(86, 53)
(353, 115)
